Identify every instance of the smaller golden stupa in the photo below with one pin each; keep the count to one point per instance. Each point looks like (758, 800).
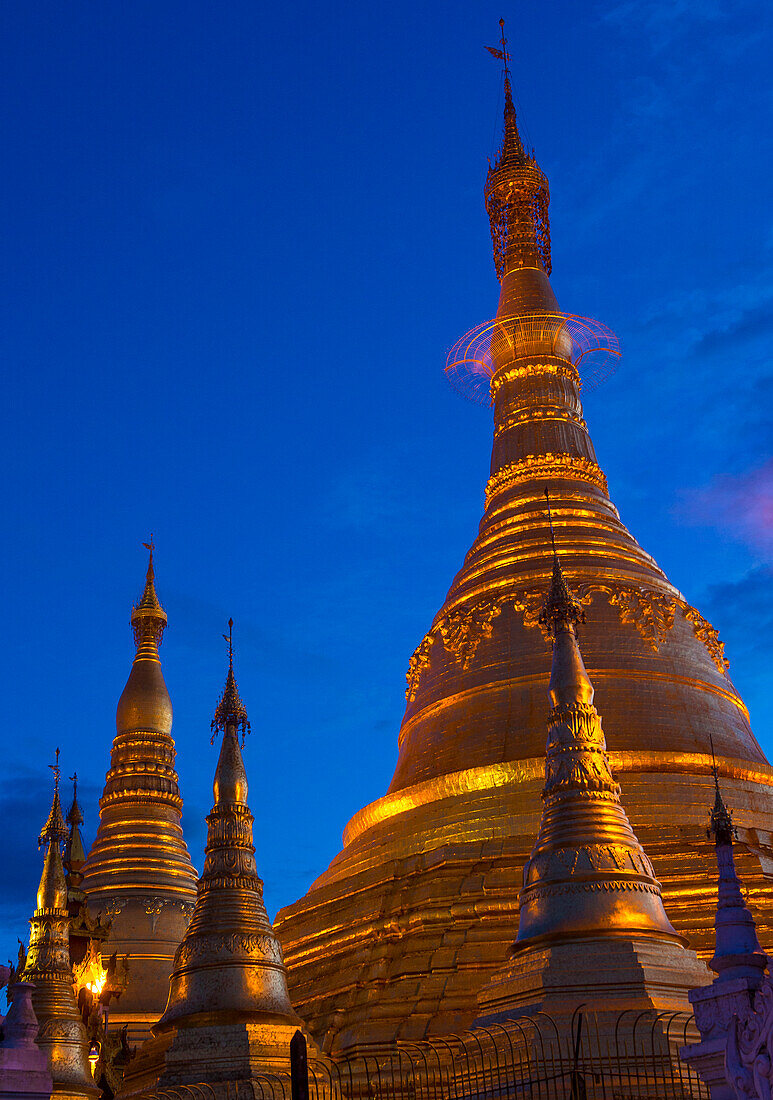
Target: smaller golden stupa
(138, 873)
(592, 930)
(61, 1035)
(229, 1015)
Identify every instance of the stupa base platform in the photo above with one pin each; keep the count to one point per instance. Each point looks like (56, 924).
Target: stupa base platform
(604, 975)
(419, 910)
(231, 1052)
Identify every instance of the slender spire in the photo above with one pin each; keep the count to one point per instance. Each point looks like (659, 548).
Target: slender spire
(561, 608)
(148, 616)
(512, 146)
(74, 853)
(145, 702)
(569, 681)
(738, 952)
(138, 868)
(245, 980)
(54, 828)
(62, 1035)
(722, 827)
(588, 873)
(517, 195)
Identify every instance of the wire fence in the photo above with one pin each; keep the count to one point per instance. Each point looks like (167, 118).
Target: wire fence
(634, 1056)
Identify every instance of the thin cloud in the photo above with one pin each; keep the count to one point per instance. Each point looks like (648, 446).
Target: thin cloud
(739, 506)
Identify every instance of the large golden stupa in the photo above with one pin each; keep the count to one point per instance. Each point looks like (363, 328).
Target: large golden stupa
(418, 910)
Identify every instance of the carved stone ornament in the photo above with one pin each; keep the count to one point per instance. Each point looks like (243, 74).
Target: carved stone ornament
(749, 1052)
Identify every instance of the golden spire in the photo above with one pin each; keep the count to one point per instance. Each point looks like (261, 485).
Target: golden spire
(230, 708)
(737, 952)
(229, 961)
(62, 1035)
(517, 196)
(138, 868)
(587, 874)
(74, 854)
(54, 828)
(145, 702)
(512, 150)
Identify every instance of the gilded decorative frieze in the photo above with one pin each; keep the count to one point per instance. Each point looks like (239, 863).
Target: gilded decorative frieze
(652, 613)
(709, 635)
(577, 760)
(464, 628)
(510, 374)
(530, 416)
(264, 945)
(546, 466)
(416, 666)
(597, 858)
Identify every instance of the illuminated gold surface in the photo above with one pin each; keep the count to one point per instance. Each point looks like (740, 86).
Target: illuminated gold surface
(138, 870)
(418, 910)
(61, 1035)
(229, 1014)
(589, 892)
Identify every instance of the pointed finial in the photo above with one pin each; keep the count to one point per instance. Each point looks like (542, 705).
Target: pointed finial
(148, 616)
(229, 637)
(230, 709)
(57, 771)
(501, 55)
(74, 815)
(721, 828)
(512, 143)
(560, 606)
(150, 547)
(54, 828)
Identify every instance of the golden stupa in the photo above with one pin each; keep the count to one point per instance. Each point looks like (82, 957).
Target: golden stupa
(138, 871)
(228, 1017)
(61, 1033)
(418, 910)
(592, 929)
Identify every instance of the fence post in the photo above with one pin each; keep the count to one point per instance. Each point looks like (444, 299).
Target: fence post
(299, 1067)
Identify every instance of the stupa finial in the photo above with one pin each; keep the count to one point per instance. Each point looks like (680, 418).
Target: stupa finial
(74, 815)
(55, 828)
(561, 607)
(148, 616)
(230, 709)
(721, 828)
(512, 146)
(74, 853)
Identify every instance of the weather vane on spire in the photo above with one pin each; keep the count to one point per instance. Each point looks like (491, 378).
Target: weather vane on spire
(501, 55)
(229, 637)
(150, 546)
(56, 770)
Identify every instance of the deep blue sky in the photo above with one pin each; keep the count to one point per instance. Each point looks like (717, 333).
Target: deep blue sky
(237, 242)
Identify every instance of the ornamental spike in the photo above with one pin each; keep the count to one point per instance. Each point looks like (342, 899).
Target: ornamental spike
(148, 616)
(55, 828)
(230, 708)
(561, 607)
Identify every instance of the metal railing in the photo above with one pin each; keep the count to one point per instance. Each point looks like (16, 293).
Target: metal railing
(634, 1056)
